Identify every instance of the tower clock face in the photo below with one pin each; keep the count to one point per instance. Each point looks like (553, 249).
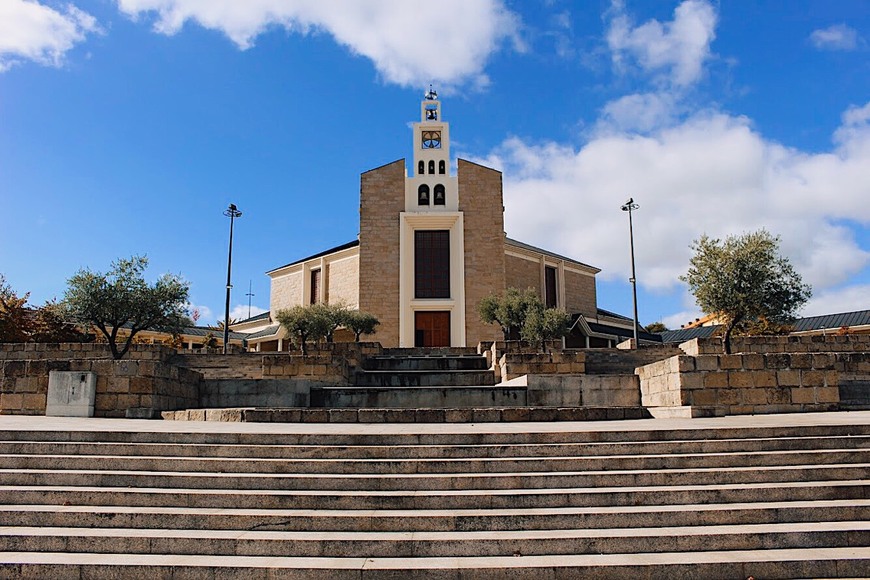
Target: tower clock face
(431, 139)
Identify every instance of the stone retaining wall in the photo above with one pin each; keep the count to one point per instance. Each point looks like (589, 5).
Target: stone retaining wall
(751, 383)
(780, 344)
(141, 384)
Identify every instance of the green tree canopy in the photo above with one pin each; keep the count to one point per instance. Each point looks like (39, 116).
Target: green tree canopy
(303, 323)
(361, 323)
(545, 324)
(121, 299)
(656, 327)
(509, 309)
(745, 280)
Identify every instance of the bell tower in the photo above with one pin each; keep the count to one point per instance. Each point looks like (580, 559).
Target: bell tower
(431, 240)
(431, 187)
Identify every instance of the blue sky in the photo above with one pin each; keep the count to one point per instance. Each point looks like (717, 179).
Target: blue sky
(128, 126)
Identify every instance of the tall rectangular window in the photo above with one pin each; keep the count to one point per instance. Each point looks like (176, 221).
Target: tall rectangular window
(550, 287)
(315, 286)
(432, 264)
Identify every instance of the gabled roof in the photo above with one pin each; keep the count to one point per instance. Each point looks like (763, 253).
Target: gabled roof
(346, 246)
(266, 332)
(857, 318)
(255, 318)
(525, 246)
(684, 334)
(807, 324)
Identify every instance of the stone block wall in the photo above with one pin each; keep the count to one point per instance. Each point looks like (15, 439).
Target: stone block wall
(382, 199)
(556, 362)
(144, 380)
(781, 344)
(521, 273)
(580, 294)
(747, 383)
(480, 200)
(343, 282)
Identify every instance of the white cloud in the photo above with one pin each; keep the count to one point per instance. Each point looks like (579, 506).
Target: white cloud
(639, 112)
(836, 37)
(201, 314)
(679, 48)
(240, 311)
(400, 37)
(835, 301)
(32, 31)
(711, 173)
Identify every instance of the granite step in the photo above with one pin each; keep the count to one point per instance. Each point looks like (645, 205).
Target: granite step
(439, 465)
(434, 481)
(445, 520)
(417, 544)
(783, 563)
(649, 431)
(422, 451)
(424, 378)
(426, 363)
(508, 498)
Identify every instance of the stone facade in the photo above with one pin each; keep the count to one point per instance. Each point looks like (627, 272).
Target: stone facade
(343, 282)
(580, 293)
(522, 273)
(382, 198)
(480, 200)
(286, 291)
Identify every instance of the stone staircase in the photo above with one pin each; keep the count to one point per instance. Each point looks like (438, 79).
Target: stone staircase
(421, 378)
(773, 497)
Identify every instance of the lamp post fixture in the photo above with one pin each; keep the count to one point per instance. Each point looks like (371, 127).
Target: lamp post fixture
(629, 206)
(231, 212)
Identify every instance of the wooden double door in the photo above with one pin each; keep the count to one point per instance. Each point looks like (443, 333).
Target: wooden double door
(431, 329)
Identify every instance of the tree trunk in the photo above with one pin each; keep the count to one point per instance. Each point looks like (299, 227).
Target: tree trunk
(729, 328)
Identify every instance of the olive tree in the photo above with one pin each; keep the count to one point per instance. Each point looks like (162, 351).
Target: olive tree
(361, 323)
(302, 324)
(744, 280)
(543, 324)
(509, 309)
(120, 303)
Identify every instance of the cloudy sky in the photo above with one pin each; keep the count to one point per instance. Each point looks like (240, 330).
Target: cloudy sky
(128, 126)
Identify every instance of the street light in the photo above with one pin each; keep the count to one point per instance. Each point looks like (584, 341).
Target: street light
(629, 206)
(231, 212)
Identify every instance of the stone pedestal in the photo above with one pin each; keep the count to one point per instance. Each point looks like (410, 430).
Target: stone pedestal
(71, 394)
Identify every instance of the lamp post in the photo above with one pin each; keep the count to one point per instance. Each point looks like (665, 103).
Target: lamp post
(629, 206)
(231, 212)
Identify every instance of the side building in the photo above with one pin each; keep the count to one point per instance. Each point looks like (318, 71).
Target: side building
(431, 245)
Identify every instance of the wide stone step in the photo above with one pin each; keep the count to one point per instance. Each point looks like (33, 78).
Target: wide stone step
(437, 544)
(423, 378)
(651, 430)
(784, 563)
(389, 465)
(417, 397)
(277, 451)
(97, 516)
(426, 363)
(508, 498)
(439, 481)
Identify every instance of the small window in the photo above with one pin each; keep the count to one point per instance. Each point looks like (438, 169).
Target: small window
(442, 167)
(315, 286)
(439, 195)
(423, 195)
(421, 168)
(550, 299)
(432, 167)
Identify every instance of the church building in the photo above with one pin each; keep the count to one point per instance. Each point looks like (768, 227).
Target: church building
(431, 245)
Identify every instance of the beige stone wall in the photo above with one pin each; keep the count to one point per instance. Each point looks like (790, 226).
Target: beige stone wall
(286, 291)
(382, 198)
(480, 200)
(343, 282)
(580, 294)
(777, 344)
(748, 383)
(145, 379)
(521, 273)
